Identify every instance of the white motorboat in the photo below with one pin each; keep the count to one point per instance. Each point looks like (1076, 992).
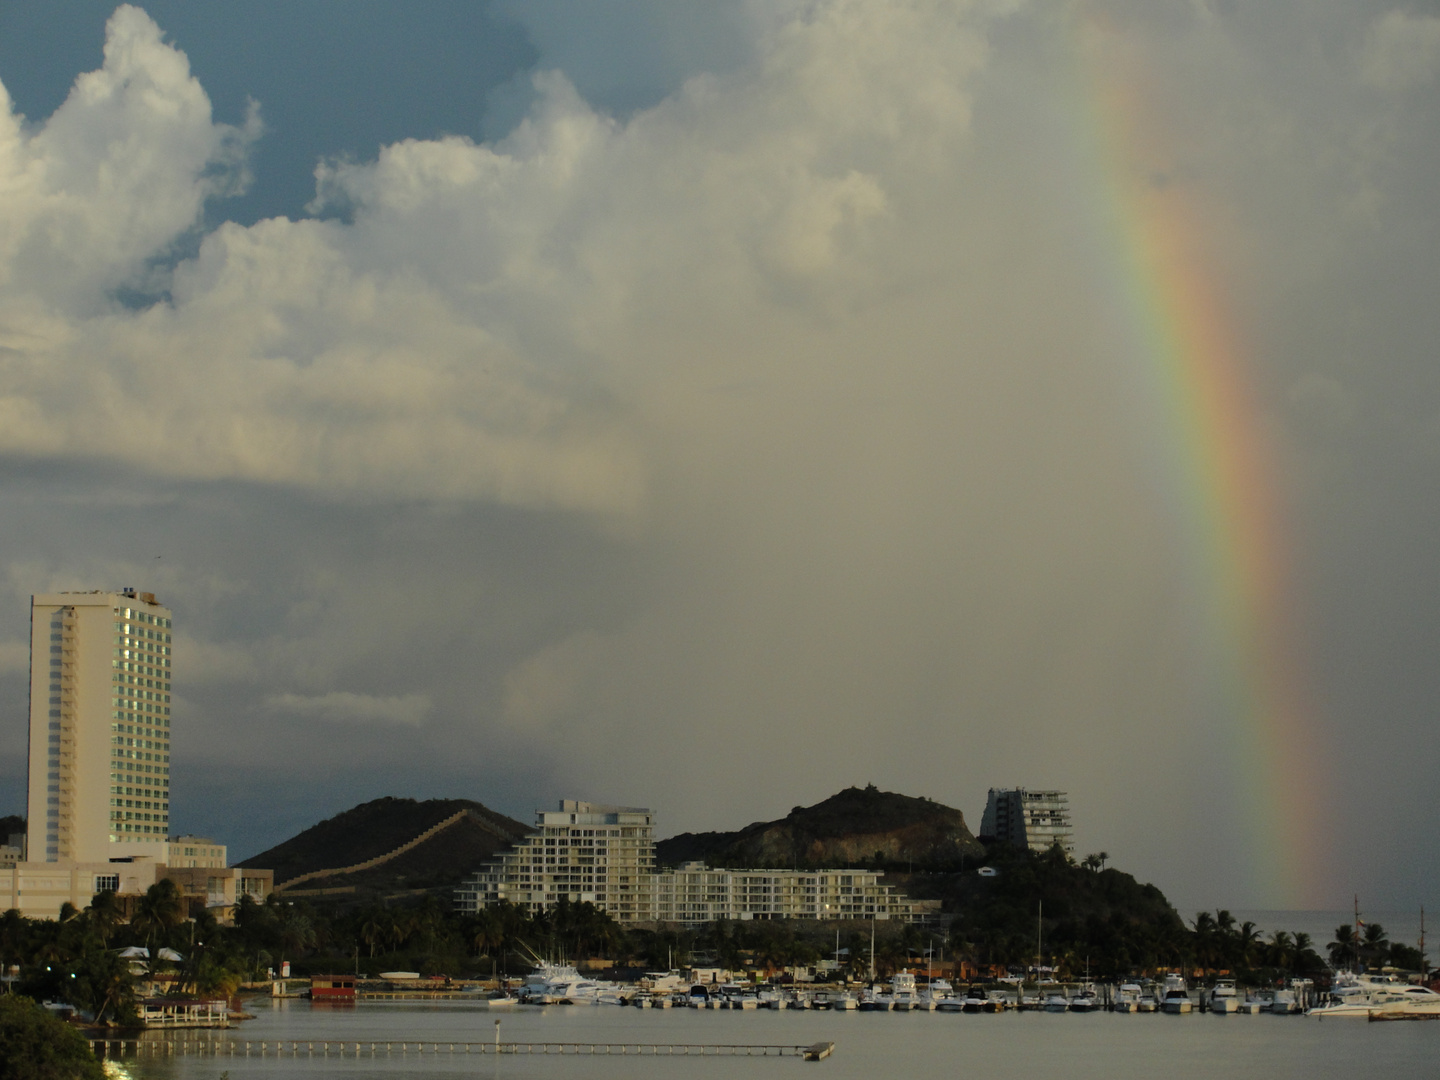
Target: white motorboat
(1175, 998)
(875, 999)
(1087, 1000)
(663, 982)
(1223, 997)
(997, 1001)
(1127, 998)
(902, 991)
(844, 1002)
(1284, 1003)
(936, 991)
(1377, 997)
(1149, 1000)
(1057, 1002)
(1253, 1004)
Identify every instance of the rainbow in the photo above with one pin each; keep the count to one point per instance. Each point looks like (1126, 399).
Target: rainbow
(1191, 356)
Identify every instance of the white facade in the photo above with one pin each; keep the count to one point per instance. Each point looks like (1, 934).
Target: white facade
(99, 783)
(694, 894)
(583, 852)
(38, 890)
(1035, 819)
(190, 851)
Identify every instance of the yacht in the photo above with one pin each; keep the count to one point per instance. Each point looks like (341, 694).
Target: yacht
(1379, 996)
(1056, 1001)
(1149, 1000)
(844, 1001)
(902, 991)
(1087, 1000)
(1127, 998)
(1175, 998)
(1223, 997)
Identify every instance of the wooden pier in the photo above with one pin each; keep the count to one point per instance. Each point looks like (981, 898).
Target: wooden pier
(350, 1049)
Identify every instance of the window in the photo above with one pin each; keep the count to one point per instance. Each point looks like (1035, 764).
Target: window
(107, 883)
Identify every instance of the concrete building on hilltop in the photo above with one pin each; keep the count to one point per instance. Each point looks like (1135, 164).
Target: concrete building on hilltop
(1037, 820)
(584, 853)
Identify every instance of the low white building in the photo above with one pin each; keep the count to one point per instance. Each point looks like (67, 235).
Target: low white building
(694, 894)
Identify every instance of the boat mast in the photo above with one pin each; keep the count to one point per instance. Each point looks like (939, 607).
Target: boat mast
(1039, 931)
(872, 950)
(1358, 969)
(1424, 964)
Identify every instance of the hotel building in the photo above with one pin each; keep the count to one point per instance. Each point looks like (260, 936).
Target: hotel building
(583, 852)
(99, 784)
(695, 894)
(99, 780)
(1035, 819)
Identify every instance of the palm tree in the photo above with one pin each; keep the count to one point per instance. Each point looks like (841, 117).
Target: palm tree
(158, 910)
(1248, 942)
(1280, 950)
(1343, 950)
(1375, 945)
(105, 915)
(297, 932)
(1302, 949)
(372, 928)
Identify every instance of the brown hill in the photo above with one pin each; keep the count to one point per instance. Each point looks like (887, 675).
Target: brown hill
(856, 827)
(465, 834)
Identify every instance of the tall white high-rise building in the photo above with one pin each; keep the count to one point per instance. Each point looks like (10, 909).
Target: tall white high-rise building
(99, 785)
(1037, 820)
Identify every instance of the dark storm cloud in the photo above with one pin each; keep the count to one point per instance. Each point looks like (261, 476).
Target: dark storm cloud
(744, 423)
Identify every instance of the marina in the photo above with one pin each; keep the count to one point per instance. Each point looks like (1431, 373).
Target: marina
(402, 1039)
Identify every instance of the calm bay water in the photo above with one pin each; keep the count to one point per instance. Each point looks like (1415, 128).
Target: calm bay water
(1104, 1046)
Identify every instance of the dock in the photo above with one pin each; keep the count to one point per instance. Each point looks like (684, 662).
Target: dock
(350, 1049)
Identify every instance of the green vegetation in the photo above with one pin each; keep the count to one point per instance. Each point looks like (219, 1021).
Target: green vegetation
(1374, 949)
(37, 1046)
(1082, 916)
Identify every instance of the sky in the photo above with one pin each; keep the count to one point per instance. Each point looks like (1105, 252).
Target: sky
(709, 406)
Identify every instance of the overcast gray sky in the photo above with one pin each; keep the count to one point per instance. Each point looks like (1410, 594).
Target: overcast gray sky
(710, 405)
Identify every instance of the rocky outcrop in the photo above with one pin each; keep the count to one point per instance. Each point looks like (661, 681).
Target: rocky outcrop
(856, 827)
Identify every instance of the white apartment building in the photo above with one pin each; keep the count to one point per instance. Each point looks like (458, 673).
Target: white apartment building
(192, 851)
(695, 894)
(1035, 819)
(583, 852)
(99, 783)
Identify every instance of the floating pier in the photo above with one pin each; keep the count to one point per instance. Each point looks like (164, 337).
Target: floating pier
(353, 1049)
